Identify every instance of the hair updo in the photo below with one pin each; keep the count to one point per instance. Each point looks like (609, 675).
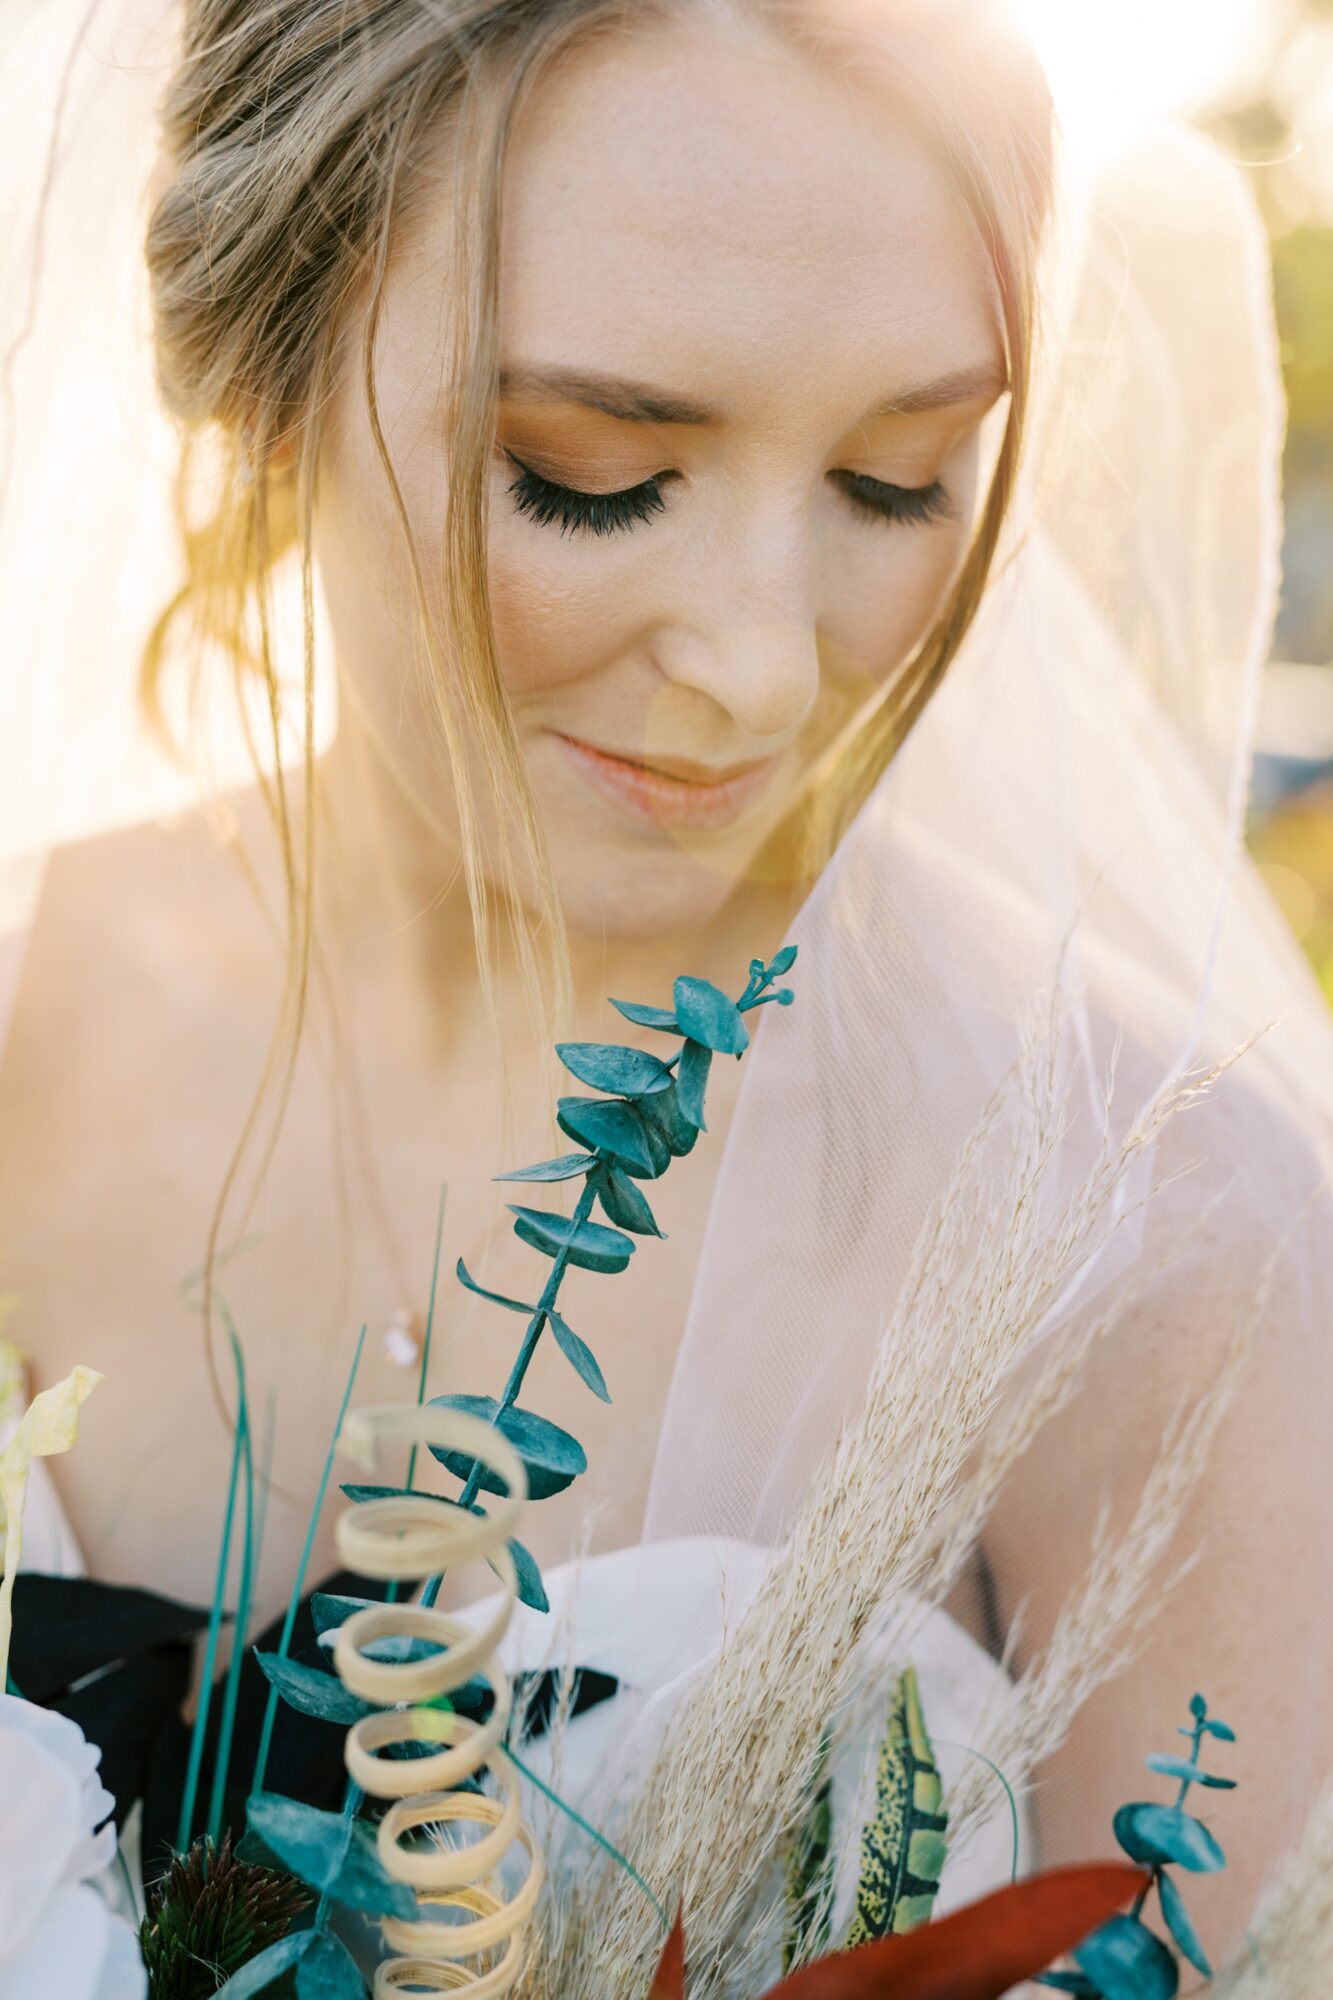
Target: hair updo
(298, 135)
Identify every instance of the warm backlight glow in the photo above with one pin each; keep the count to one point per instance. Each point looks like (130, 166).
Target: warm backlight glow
(1113, 67)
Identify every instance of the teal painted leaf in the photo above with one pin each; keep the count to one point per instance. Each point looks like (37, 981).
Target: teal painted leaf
(311, 1691)
(1128, 1962)
(623, 1202)
(707, 1015)
(616, 1129)
(1180, 1767)
(567, 1168)
(783, 961)
(578, 1353)
(902, 1846)
(668, 1128)
(647, 1017)
(531, 1589)
(327, 1971)
(1068, 1982)
(693, 1081)
(1179, 1923)
(1153, 1834)
(587, 1244)
(621, 1072)
(553, 1458)
(465, 1277)
(329, 1610)
(1222, 1730)
(332, 1852)
(258, 1974)
(360, 1494)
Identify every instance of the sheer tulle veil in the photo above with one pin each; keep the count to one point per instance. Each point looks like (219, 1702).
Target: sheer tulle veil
(981, 1143)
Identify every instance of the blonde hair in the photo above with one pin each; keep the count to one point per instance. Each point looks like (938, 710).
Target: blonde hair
(297, 138)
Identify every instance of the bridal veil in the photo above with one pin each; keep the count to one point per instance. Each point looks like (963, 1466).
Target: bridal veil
(1053, 1116)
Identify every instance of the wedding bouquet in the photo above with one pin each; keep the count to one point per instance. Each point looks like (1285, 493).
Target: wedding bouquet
(787, 1798)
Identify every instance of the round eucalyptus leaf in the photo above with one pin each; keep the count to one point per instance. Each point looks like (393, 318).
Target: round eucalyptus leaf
(1179, 1923)
(692, 1082)
(1180, 1767)
(567, 1168)
(621, 1072)
(327, 1971)
(615, 1129)
(623, 1202)
(580, 1356)
(1128, 1962)
(1153, 1834)
(648, 1017)
(311, 1691)
(708, 1015)
(587, 1244)
(553, 1458)
(1222, 1730)
(667, 1127)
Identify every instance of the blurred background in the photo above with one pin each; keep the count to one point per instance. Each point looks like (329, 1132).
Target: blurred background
(1257, 75)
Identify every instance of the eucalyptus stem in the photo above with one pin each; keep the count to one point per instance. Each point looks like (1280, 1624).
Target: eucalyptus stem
(227, 1722)
(520, 1368)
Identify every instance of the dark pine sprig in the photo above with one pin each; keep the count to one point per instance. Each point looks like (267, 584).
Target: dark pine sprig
(649, 1111)
(208, 1916)
(1124, 1960)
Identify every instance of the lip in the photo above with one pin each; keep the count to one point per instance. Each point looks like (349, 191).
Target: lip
(683, 795)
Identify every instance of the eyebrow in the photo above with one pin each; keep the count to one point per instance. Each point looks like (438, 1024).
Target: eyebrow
(640, 403)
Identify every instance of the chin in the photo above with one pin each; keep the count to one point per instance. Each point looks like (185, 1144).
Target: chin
(640, 899)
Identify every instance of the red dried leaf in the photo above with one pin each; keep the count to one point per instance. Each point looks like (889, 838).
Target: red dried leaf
(669, 1979)
(980, 1952)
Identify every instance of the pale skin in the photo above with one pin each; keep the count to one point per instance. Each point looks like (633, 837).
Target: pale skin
(780, 341)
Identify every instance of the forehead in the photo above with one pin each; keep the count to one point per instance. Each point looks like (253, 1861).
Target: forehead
(702, 207)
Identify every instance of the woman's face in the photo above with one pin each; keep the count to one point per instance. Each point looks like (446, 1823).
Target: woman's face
(747, 337)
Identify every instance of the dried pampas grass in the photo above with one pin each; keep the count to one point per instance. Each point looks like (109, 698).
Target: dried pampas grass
(999, 1263)
(1289, 1952)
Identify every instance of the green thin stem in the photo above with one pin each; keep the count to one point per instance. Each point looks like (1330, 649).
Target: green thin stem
(227, 1721)
(430, 1327)
(545, 1304)
(970, 1750)
(587, 1827)
(200, 1728)
(294, 1602)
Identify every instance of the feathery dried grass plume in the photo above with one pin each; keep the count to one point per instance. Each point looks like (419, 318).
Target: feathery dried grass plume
(1290, 1955)
(999, 1261)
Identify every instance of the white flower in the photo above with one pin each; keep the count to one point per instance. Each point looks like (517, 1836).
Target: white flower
(58, 1939)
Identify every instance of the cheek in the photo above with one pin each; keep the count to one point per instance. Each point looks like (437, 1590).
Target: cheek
(881, 602)
(561, 609)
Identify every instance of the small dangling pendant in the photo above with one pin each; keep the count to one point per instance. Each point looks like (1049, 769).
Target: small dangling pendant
(403, 1338)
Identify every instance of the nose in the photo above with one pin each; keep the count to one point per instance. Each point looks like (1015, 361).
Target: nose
(745, 635)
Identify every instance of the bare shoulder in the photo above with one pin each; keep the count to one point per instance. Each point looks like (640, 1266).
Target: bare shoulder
(135, 931)
(146, 955)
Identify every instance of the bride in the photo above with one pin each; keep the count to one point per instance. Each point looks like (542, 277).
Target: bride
(745, 485)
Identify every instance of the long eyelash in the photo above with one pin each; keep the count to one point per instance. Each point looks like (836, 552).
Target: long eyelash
(915, 505)
(549, 504)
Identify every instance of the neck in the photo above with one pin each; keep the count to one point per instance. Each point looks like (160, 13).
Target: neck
(392, 881)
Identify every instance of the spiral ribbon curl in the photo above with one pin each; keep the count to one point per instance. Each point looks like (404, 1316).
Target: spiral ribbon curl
(405, 1539)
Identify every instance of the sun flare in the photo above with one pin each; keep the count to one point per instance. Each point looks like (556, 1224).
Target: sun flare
(1112, 68)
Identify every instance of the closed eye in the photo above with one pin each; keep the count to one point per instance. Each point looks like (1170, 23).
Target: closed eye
(915, 505)
(549, 504)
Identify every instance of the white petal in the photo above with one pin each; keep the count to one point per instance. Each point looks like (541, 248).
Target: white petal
(55, 1732)
(39, 1830)
(124, 1976)
(66, 1953)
